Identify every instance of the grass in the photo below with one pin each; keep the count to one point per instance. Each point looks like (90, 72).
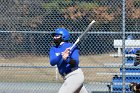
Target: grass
(10, 74)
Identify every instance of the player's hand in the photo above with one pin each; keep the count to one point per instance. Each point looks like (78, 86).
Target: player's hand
(66, 53)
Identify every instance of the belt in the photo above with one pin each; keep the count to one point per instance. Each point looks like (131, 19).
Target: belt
(72, 69)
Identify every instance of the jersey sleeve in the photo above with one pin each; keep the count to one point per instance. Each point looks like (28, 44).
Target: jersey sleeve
(54, 59)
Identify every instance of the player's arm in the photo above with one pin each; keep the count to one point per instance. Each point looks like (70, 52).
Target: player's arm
(54, 59)
(73, 57)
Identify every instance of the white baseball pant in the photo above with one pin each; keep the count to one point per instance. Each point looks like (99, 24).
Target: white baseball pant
(73, 83)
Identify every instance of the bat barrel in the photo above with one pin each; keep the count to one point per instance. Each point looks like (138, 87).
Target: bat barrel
(88, 28)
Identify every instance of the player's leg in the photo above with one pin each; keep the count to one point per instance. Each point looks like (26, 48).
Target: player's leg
(63, 88)
(73, 82)
(83, 90)
(71, 86)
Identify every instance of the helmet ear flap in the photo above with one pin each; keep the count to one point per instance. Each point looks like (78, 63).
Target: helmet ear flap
(63, 37)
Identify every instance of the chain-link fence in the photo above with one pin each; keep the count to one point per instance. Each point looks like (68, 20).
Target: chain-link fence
(25, 40)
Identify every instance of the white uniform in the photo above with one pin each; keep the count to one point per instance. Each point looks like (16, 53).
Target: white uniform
(73, 83)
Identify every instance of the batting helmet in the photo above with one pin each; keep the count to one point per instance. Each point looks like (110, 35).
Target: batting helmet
(64, 32)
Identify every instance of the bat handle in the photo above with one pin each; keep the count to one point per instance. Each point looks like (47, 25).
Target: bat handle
(75, 43)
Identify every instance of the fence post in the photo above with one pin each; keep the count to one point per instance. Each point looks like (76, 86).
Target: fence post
(123, 45)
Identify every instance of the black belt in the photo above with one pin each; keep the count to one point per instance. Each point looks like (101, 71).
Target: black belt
(72, 69)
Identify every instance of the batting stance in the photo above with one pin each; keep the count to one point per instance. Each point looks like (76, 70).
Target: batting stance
(67, 62)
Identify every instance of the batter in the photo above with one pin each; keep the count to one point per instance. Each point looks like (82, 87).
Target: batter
(67, 62)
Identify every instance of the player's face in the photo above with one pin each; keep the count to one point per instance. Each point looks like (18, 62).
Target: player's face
(57, 39)
(57, 36)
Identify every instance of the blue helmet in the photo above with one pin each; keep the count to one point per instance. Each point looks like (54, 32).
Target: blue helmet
(64, 32)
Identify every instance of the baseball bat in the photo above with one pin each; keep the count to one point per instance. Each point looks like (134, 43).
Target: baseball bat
(81, 36)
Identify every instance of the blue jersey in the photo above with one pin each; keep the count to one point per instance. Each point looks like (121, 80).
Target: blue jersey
(56, 57)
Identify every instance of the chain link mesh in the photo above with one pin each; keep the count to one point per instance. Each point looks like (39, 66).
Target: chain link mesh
(25, 39)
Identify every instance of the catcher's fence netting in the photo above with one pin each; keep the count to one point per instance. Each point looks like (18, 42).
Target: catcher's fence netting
(25, 39)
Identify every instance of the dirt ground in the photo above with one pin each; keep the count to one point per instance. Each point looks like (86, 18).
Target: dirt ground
(24, 69)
